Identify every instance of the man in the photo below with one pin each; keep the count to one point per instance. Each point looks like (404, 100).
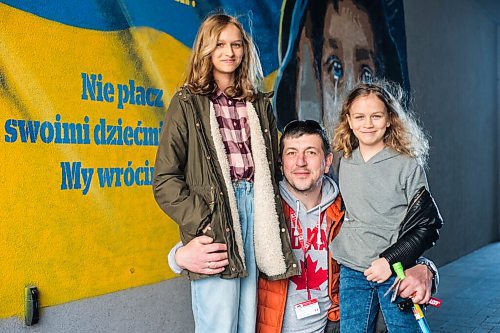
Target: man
(312, 208)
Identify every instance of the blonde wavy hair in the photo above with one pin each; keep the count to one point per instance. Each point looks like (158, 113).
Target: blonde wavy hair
(404, 135)
(248, 75)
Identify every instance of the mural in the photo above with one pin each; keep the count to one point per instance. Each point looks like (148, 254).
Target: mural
(84, 87)
(327, 46)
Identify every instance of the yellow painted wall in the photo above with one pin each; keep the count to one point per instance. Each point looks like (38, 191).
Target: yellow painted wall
(69, 244)
(73, 244)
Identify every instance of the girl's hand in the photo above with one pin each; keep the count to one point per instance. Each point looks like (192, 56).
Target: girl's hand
(379, 271)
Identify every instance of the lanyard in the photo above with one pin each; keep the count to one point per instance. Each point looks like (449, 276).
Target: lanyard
(305, 247)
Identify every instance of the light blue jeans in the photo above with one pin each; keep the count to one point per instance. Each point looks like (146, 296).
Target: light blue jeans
(360, 300)
(230, 305)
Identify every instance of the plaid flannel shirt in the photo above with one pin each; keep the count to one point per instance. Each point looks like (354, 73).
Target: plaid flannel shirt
(232, 117)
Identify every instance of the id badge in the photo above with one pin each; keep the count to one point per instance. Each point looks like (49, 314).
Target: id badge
(307, 308)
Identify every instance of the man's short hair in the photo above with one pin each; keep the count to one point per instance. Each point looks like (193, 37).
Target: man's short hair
(297, 128)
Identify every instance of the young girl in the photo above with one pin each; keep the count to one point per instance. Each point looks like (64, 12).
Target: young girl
(390, 216)
(215, 175)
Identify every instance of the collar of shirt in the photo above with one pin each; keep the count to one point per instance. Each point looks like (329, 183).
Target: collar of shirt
(220, 95)
(217, 94)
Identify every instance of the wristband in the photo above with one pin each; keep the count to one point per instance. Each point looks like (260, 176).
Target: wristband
(432, 267)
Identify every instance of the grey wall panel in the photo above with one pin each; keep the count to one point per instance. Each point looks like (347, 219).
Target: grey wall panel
(452, 60)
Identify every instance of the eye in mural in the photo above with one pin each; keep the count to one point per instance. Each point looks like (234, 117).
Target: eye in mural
(328, 46)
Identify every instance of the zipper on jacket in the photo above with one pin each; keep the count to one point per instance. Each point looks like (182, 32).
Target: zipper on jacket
(416, 198)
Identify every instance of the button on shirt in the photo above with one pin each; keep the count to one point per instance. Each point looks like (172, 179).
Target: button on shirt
(232, 117)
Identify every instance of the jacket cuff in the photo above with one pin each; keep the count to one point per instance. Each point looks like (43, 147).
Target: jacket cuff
(406, 251)
(171, 259)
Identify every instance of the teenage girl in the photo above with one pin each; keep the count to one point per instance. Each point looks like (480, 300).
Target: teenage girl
(383, 184)
(215, 175)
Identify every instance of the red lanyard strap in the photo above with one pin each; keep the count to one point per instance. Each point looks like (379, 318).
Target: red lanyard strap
(295, 222)
(305, 247)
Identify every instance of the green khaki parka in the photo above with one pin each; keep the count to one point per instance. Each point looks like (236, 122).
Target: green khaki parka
(192, 184)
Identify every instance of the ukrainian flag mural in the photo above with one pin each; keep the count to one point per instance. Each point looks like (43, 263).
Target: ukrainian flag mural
(84, 87)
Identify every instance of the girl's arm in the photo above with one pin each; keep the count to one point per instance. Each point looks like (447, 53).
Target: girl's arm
(188, 209)
(419, 229)
(426, 221)
(406, 250)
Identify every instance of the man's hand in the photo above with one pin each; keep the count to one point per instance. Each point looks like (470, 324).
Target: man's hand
(201, 255)
(417, 284)
(379, 271)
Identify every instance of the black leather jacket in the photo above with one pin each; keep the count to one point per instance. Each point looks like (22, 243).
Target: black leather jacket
(419, 230)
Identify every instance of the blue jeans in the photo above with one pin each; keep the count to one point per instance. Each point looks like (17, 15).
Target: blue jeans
(360, 301)
(230, 305)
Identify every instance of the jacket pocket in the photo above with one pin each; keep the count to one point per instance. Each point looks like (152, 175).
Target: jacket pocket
(209, 230)
(208, 195)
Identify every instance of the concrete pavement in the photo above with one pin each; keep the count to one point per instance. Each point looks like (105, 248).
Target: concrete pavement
(470, 290)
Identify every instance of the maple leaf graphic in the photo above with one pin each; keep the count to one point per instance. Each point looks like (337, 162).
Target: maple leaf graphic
(315, 278)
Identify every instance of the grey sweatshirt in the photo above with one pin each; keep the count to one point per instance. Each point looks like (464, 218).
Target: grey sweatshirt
(317, 261)
(376, 195)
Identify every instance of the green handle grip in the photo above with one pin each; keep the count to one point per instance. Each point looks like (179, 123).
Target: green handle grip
(398, 268)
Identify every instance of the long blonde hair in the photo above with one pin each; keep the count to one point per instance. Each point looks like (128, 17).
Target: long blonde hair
(404, 135)
(248, 75)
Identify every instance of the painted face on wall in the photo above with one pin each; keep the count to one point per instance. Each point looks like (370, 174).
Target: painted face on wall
(347, 56)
